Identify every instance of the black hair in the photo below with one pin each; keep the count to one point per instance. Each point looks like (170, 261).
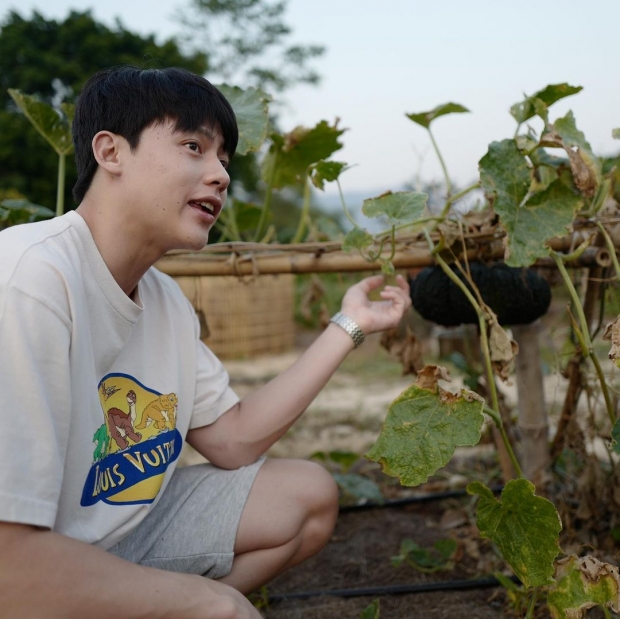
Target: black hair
(126, 100)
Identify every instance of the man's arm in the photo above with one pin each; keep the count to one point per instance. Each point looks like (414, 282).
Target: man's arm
(247, 430)
(44, 574)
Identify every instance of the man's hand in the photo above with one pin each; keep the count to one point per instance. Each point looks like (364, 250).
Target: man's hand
(372, 316)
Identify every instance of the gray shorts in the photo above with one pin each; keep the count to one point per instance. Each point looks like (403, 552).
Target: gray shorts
(193, 527)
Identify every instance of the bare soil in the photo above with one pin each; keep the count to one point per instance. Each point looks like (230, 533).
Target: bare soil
(347, 415)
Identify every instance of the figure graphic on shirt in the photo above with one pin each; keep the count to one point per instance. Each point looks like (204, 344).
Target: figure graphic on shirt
(106, 392)
(161, 412)
(120, 424)
(102, 440)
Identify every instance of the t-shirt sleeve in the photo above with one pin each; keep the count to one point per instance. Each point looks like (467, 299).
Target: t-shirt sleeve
(35, 409)
(213, 394)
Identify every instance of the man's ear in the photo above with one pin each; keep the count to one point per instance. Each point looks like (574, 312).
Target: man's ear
(107, 147)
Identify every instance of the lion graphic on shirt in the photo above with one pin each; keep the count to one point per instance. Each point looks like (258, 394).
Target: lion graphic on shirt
(160, 412)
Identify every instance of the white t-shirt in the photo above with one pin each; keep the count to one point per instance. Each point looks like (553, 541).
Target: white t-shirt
(97, 392)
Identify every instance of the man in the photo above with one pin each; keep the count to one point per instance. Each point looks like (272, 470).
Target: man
(98, 346)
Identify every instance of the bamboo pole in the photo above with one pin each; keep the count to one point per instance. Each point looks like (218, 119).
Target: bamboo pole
(275, 260)
(532, 423)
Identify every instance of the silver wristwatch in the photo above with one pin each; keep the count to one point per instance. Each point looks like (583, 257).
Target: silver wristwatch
(350, 326)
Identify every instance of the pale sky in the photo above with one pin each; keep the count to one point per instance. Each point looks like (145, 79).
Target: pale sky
(385, 59)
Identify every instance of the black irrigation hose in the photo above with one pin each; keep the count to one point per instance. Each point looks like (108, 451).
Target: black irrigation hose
(448, 585)
(423, 498)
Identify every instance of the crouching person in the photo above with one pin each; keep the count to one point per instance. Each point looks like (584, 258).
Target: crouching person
(103, 376)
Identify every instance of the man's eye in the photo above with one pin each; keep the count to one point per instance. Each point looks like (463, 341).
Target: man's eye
(193, 146)
(224, 163)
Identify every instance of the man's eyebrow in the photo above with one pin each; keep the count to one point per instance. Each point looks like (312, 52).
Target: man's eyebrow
(207, 132)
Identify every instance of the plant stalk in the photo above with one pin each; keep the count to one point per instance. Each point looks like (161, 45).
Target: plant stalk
(262, 223)
(344, 205)
(585, 335)
(60, 186)
(611, 248)
(484, 341)
(443, 164)
(305, 211)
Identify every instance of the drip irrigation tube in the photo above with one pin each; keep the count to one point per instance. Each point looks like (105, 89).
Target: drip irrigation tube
(421, 498)
(426, 587)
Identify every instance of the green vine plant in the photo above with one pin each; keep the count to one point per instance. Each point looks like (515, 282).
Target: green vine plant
(54, 125)
(536, 197)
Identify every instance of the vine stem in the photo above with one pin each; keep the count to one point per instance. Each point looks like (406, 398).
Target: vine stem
(484, 341)
(305, 210)
(532, 606)
(611, 248)
(584, 336)
(60, 186)
(442, 162)
(344, 205)
(262, 223)
(457, 196)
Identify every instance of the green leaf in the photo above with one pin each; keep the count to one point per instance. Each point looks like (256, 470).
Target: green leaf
(345, 459)
(426, 118)
(505, 174)
(545, 215)
(356, 239)
(424, 559)
(13, 212)
(547, 96)
(422, 429)
(582, 583)
(615, 437)
(50, 123)
(246, 214)
(506, 178)
(359, 486)
(291, 154)
(326, 172)
(399, 207)
(615, 134)
(525, 528)
(371, 611)
(586, 167)
(251, 107)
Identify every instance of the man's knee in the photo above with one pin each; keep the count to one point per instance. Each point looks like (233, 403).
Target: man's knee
(321, 503)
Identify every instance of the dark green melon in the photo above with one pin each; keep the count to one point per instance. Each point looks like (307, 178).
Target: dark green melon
(517, 295)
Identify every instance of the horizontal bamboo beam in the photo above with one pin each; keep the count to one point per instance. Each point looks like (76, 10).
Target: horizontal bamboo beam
(330, 262)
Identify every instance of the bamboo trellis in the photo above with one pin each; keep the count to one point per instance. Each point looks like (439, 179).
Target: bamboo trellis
(243, 259)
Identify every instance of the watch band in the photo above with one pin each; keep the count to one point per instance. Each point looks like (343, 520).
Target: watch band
(350, 326)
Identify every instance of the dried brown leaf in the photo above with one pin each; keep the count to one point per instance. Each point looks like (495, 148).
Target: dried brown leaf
(430, 375)
(503, 349)
(406, 349)
(612, 332)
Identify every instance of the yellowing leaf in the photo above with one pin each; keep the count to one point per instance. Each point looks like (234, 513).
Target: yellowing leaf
(423, 427)
(582, 583)
(585, 166)
(524, 527)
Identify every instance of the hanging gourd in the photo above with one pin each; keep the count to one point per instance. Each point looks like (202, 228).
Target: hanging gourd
(517, 295)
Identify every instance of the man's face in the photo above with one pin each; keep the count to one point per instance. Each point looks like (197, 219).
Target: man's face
(176, 185)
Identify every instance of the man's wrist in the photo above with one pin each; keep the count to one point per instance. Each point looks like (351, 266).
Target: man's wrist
(350, 326)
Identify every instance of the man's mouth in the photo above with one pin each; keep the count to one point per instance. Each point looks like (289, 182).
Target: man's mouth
(211, 208)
